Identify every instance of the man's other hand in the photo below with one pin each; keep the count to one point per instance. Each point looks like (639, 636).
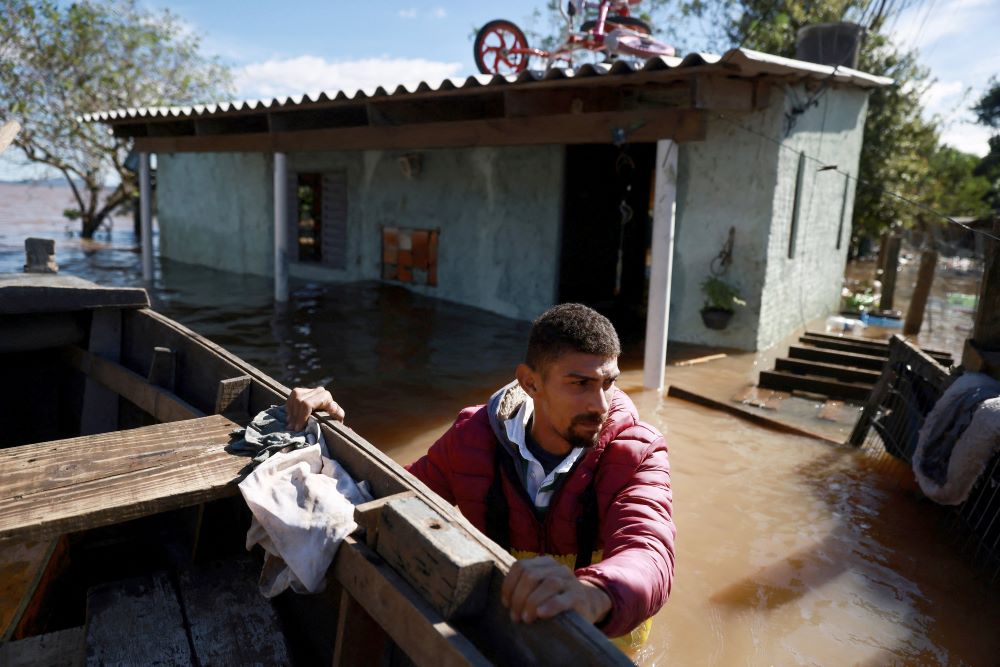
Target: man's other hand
(542, 588)
(302, 402)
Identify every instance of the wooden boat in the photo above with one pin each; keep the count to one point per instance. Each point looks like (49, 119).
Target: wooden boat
(118, 507)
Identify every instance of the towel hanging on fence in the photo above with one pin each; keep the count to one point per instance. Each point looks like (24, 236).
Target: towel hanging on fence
(959, 437)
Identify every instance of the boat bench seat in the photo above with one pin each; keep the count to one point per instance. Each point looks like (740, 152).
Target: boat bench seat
(63, 486)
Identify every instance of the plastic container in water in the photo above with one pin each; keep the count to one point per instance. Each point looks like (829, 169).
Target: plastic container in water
(840, 324)
(885, 322)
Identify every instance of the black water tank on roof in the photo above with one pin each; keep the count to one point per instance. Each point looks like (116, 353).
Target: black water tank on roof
(829, 44)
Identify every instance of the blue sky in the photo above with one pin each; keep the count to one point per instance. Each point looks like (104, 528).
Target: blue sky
(288, 48)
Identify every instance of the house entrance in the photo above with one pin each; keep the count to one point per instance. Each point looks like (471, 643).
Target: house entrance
(605, 245)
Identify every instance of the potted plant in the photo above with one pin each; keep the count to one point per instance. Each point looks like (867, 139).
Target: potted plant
(721, 300)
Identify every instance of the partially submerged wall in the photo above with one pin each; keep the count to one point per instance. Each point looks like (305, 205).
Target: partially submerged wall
(498, 211)
(215, 209)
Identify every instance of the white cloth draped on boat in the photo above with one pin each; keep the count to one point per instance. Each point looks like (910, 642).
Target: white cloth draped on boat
(959, 437)
(303, 506)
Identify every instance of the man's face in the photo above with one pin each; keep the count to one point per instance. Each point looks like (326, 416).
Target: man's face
(572, 396)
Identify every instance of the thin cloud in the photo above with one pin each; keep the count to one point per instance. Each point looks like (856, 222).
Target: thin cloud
(407, 13)
(313, 74)
(439, 13)
(925, 24)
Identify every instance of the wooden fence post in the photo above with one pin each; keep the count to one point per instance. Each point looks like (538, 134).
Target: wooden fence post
(986, 329)
(925, 278)
(889, 272)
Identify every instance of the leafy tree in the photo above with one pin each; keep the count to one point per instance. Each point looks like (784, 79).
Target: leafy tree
(60, 61)
(953, 186)
(988, 112)
(988, 107)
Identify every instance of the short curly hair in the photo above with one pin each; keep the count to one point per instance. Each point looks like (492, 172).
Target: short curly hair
(570, 327)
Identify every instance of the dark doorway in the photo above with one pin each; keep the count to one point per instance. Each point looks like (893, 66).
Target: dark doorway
(599, 178)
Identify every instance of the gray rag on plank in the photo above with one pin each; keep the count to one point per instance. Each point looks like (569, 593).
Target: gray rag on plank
(267, 435)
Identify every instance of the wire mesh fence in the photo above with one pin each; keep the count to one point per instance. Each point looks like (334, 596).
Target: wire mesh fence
(888, 430)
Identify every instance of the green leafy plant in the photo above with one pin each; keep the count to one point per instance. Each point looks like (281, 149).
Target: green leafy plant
(721, 295)
(859, 301)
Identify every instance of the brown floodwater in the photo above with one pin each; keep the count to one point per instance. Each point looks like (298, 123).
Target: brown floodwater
(791, 551)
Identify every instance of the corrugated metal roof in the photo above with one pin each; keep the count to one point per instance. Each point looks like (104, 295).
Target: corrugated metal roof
(736, 62)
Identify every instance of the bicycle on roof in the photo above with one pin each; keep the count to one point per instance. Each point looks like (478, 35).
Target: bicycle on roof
(502, 48)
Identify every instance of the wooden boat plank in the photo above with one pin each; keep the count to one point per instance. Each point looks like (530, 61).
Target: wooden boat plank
(204, 363)
(446, 566)
(136, 622)
(23, 564)
(100, 405)
(113, 477)
(405, 616)
(201, 364)
(24, 333)
(251, 636)
(63, 648)
(22, 293)
(117, 379)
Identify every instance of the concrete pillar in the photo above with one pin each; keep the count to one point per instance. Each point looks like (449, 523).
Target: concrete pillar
(280, 227)
(658, 310)
(146, 216)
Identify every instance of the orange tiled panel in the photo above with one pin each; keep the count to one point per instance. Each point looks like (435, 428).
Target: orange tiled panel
(432, 250)
(405, 258)
(419, 239)
(390, 245)
(403, 273)
(432, 276)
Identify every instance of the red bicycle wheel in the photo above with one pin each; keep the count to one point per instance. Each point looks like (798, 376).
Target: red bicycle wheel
(500, 48)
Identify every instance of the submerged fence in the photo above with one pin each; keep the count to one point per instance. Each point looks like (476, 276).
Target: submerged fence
(890, 422)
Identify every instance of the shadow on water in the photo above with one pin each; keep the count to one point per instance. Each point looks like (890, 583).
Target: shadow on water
(878, 518)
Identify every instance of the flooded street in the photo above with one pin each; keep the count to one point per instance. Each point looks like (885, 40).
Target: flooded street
(791, 551)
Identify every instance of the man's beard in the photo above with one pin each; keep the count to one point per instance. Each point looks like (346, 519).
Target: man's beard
(585, 441)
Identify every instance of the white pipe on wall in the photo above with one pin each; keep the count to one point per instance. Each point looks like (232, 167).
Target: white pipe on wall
(280, 227)
(146, 216)
(658, 310)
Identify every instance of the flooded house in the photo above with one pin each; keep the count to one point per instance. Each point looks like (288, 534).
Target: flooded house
(621, 186)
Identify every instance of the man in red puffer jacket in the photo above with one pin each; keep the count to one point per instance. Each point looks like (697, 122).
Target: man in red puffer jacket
(558, 469)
